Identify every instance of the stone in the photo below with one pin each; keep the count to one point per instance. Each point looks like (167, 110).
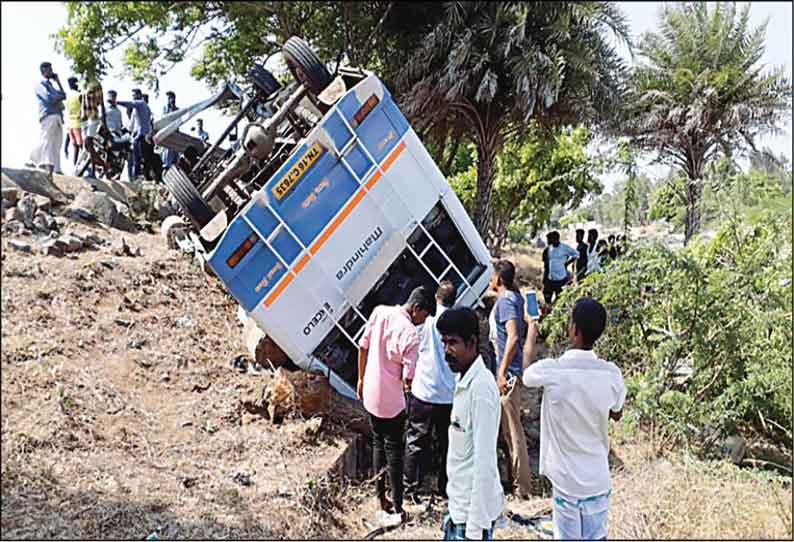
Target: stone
(121, 248)
(93, 240)
(53, 247)
(72, 242)
(33, 181)
(10, 195)
(13, 227)
(734, 448)
(41, 222)
(81, 214)
(262, 349)
(43, 203)
(27, 206)
(299, 392)
(97, 204)
(20, 246)
(13, 214)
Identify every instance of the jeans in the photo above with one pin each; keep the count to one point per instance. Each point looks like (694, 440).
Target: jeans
(424, 421)
(580, 519)
(387, 450)
(457, 531)
(137, 157)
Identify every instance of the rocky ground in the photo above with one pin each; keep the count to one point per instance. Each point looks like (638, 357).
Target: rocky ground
(131, 406)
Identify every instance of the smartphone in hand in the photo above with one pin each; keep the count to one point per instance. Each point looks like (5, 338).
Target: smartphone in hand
(532, 305)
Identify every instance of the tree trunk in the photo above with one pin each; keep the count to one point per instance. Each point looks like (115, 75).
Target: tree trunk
(694, 193)
(482, 200)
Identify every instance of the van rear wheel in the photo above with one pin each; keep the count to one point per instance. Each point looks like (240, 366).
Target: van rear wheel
(187, 197)
(305, 65)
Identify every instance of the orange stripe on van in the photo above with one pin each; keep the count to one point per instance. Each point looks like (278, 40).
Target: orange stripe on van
(280, 288)
(317, 245)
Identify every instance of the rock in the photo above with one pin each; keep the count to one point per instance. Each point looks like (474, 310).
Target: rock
(20, 246)
(80, 214)
(27, 206)
(33, 181)
(166, 210)
(174, 227)
(72, 242)
(262, 349)
(734, 447)
(298, 392)
(13, 214)
(53, 247)
(242, 477)
(43, 203)
(124, 223)
(13, 227)
(186, 321)
(92, 240)
(40, 222)
(121, 248)
(169, 292)
(10, 195)
(97, 204)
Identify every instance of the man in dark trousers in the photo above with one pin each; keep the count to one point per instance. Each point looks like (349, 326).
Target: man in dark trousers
(430, 402)
(581, 248)
(387, 356)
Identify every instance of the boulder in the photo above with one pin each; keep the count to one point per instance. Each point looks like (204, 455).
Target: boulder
(27, 207)
(43, 203)
(72, 242)
(300, 392)
(262, 348)
(734, 448)
(20, 246)
(53, 247)
(13, 214)
(10, 195)
(34, 181)
(95, 204)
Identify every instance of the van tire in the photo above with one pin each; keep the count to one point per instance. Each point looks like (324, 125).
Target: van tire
(190, 202)
(305, 65)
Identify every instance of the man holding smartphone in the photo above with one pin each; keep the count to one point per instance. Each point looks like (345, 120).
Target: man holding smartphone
(507, 332)
(581, 393)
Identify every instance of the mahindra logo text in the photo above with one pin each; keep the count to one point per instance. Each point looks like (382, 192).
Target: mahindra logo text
(359, 253)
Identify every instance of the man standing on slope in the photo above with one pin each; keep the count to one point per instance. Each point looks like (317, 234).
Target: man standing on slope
(430, 402)
(47, 153)
(475, 493)
(580, 394)
(387, 356)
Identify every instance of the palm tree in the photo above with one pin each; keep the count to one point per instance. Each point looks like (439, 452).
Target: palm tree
(699, 92)
(490, 67)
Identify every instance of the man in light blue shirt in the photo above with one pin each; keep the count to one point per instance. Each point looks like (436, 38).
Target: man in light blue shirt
(140, 127)
(556, 259)
(430, 402)
(47, 153)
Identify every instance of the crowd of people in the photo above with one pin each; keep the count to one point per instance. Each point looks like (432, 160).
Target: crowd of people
(435, 405)
(95, 122)
(588, 257)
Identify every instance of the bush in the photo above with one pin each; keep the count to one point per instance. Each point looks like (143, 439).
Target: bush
(718, 310)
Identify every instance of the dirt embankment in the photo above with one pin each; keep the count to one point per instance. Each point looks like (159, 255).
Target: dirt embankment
(123, 414)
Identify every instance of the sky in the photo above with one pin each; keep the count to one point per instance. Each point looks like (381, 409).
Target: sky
(26, 42)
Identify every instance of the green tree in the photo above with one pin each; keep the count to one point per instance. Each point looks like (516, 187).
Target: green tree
(700, 92)
(489, 68)
(154, 36)
(531, 179)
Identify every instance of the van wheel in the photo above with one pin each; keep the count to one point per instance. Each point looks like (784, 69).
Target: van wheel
(305, 65)
(187, 197)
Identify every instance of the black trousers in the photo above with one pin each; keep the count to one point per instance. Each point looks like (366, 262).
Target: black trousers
(387, 451)
(427, 423)
(553, 288)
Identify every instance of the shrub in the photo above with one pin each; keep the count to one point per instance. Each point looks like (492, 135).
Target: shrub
(719, 310)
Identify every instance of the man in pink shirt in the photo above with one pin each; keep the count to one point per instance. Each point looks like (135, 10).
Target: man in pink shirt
(387, 358)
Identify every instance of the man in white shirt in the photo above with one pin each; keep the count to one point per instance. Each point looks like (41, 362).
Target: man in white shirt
(430, 402)
(475, 493)
(556, 258)
(580, 394)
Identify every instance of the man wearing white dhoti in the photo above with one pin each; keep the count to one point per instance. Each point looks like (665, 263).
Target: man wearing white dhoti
(47, 152)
